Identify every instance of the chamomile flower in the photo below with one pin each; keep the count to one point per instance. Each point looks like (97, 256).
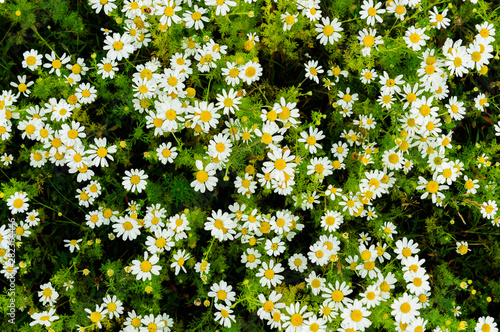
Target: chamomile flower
(405, 248)
(371, 12)
(44, 318)
(205, 179)
(458, 61)
(486, 323)
(127, 228)
(315, 282)
(47, 294)
(288, 20)
(228, 101)
(337, 295)
(298, 314)
(269, 273)
(312, 70)
(32, 60)
(368, 39)
(328, 31)
(55, 63)
(250, 72)
(107, 68)
(180, 259)
(220, 225)
(368, 75)
(224, 315)
(251, 258)
(222, 292)
(439, 20)
(471, 185)
(232, 73)
(195, 18)
(97, 315)
(480, 102)
(311, 139)
(355, 316)
(72, 244)
(18, 202)
(486, 32)
(114, 306)
(398, 8)
(135, 180)
(245, 185)
(166, 153)
(99, 153)
(118, 46)
(415, 38)
(22, 86)
(432, 188)
(489, 209)
(405, 308)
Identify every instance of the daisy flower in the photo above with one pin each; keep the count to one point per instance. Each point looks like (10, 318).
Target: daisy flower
(328, 31)
(370, 12)
(32, 59)
(315, 282)
(205, 115)
(269, 274)
(393, 159)
(312, 70)
(135, 180)
(220, 147)
(391, 85)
